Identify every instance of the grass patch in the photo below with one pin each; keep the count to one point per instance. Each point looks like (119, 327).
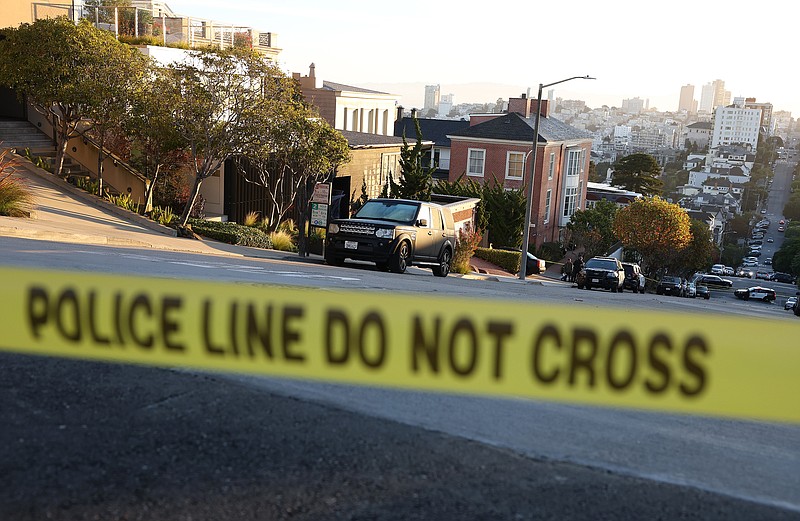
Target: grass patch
(15, 198)
(282, 241)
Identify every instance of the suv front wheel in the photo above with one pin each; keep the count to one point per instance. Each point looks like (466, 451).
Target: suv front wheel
(443, 268)
(399, 261)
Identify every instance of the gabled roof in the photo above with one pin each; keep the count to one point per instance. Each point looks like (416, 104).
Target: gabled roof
(365, 140)
(700, 125)
(435, 130)
(340, 87)
(513, 127)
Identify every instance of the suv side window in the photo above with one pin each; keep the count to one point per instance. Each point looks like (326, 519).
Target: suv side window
(436, 219)
(425, 213)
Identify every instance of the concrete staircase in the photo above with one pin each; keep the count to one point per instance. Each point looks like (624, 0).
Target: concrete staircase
(21, 135)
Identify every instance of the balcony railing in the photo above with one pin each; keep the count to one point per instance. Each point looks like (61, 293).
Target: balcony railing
(136, 22)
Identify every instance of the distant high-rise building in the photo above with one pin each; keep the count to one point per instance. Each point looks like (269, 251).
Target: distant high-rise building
(736, 125)
(686, 102)
(767, 122)
(633, 106)
(445, 104)
(707, 98)
(431, 98)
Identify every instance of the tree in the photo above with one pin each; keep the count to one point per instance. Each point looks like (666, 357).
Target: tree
(59, 66)
(293, 150)
(638, 173)
(592, 229)
(222, 98)
(700, 251)
(658, 230)
(156, 143)
(416, 179)
(113, 87)
(791, 209)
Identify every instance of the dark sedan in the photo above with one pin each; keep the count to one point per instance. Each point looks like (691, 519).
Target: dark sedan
(714, 281)
(669, 285)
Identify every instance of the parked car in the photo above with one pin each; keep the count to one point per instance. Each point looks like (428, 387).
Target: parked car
(634, 279)
(790, 302)
(602, 272)
(756, 293)
(768, 261)
(713, 281)
(395, 234)
(534, 266)
(691, 290)
(717, 269)
(754, 253)
(671, 285)
(764, 275)
(702, 291)
(784, 277)
(728, 271)
(781, 229)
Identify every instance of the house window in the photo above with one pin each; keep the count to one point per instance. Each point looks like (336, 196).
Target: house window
(552, 168)
(570, 199)
(547, 199)
(574, 161)
(475, 161)
(515, 164)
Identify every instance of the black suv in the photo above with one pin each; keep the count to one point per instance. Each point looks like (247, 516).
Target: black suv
(669, 285)
(783, 277)
(601, 272)
(394, 234)
(634, 280)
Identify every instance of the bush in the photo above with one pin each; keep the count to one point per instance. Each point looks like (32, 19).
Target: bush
(550, 252)
(468, 241)
(251, 219)
(508, 260)
(282, 241)
(162, 215)
(231, 233)
(15, 199)
(124, 201)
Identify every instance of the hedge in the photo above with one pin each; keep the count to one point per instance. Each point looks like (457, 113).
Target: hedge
(508, 260)
(232, 233)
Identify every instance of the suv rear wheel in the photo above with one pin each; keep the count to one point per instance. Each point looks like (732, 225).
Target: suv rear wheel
(443, 268)
(399, 261)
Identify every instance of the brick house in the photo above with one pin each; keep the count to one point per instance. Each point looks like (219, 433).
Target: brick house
(496, 148)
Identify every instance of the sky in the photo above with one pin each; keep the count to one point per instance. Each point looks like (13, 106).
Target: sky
(633, 49)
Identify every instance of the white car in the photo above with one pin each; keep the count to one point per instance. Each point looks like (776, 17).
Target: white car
(728, 271)
(790, 302)
(717, 269)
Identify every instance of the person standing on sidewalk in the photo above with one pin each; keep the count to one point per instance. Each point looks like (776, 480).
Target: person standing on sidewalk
(567, 270)
(576, 267)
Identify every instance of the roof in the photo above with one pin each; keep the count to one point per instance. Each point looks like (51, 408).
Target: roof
(513, 127)
(365, 140)
(329, 85)
(701, 125)
(435, 130)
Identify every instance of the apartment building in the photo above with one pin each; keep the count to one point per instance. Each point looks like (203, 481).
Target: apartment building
(736, 124)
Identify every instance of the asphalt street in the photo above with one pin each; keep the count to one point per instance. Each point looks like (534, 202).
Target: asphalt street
(91, 441)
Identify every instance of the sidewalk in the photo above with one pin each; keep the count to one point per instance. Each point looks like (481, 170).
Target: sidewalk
(65, 213)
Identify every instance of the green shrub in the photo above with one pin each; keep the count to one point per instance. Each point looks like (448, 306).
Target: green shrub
(282, 241)
(550, 252)
(507, 260)
(90, 185)
(39, 161)
(468, 241)
(231, 233)
(162, 215)
(124, 201)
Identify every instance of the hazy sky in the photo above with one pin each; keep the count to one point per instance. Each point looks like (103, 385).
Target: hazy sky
(634, 49)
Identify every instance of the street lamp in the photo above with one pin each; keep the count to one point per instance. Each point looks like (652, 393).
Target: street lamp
(523, 259)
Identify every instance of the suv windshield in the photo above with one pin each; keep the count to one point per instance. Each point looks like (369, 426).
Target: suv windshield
(601, 264)
(388, 211)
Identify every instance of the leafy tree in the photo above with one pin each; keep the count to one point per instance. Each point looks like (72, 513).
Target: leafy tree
(60, 67)
(416, 179)
(156, 143)
(223, 99)
(294, 149)
(357, 202)
(732, 254)
(592, 228)
(658, 230)
(113, 87)
(699, 253)
(791, 209)
(787, 258)
(602, 171)
(638, 173)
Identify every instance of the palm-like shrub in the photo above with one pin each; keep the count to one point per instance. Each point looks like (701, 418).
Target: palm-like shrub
(15, 198)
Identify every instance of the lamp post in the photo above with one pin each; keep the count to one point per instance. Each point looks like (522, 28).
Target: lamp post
(523, 259)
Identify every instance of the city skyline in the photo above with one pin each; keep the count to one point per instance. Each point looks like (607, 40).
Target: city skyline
(454, 44)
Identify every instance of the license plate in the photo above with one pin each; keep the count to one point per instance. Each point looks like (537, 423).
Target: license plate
(351, 245)
(595, 280)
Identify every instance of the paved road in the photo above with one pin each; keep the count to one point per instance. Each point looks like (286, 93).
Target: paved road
(89, 441)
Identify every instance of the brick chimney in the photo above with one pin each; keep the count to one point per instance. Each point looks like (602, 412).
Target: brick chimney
(526, 106)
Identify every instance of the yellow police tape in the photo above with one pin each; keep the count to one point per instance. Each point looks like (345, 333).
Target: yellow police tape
(689, 363)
